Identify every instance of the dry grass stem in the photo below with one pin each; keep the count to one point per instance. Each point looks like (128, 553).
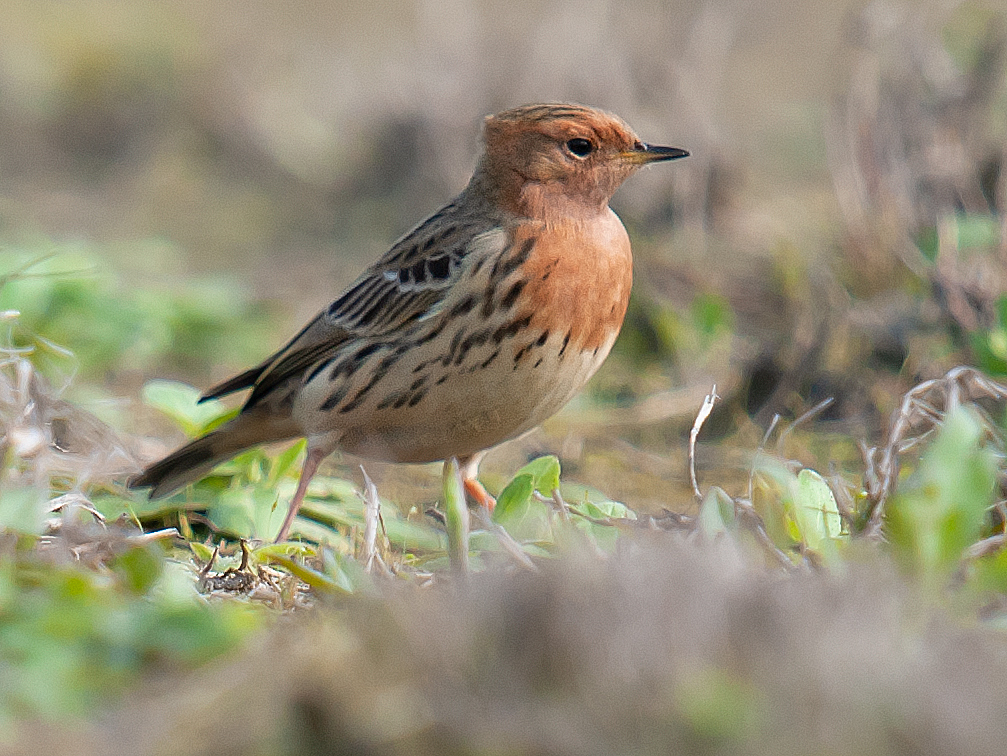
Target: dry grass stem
(704, 412)
(506, 541)
(372, 517)
(920, 413)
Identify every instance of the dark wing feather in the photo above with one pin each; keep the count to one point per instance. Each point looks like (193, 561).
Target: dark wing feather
(237, 383)
(407, 283)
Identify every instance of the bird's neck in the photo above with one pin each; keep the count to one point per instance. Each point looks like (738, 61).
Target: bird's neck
(549, 202)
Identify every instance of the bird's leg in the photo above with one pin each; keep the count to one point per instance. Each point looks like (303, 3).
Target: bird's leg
(469, 467)
(311, 462)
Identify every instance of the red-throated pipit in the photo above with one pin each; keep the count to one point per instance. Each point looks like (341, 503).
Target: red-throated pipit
(473, 328)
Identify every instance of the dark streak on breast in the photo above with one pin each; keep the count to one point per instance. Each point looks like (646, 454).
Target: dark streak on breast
(379, 372)
(511, 296)
(489, 360)
(503, 267)
(566, 341)
(432, 334)
(455, 342)
(511, 330)
(463, 307)
(388, 401)
(519, 355)
(474, 340)
(334, 398)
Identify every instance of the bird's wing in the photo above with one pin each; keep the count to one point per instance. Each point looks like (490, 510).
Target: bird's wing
(407, 284)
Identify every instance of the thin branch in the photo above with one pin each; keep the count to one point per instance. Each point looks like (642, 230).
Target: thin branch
(506, 541)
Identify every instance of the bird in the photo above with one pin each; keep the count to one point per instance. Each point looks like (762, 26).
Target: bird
(477, 325)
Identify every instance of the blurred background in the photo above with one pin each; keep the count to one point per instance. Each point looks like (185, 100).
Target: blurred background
(188, 182)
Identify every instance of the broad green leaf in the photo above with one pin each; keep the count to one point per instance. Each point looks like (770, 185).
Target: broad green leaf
(796, 509)
(267, 551)
(938, 511)
(817, 512)
(285, 461)
(513, 500)
(545, 472)
(517, 510)
(201, 551)
(345, 571)
(716, 513)
(607, 509)
(248, 512)
(180, 402)
(772, 498)
(603, 535)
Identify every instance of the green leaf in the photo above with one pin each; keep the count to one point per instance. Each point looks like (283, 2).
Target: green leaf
(285, 461)
(180, 402)
(248, 512)
(517, 510)
(797, 509)
(716, 513)
(938, 511)
(317, 580)
(545, 472)
(604, 536)
(22, 510)
(138, 568)
(817, 512)
(977, 231)
(928, 242)
(773, 498)
(513, 500)
(201, 551)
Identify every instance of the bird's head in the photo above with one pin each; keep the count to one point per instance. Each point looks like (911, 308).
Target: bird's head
(572, 158)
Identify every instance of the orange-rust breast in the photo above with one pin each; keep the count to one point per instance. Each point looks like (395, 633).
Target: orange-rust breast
(579, 279)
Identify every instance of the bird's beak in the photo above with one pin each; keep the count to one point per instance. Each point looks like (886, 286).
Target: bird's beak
(652, 153)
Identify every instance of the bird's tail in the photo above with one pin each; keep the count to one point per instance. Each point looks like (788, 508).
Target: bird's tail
(197, 458)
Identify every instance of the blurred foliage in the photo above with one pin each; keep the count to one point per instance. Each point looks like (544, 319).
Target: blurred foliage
(73, 640)
(71, 296)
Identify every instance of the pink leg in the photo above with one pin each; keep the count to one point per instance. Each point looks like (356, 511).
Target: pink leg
(475, 490)
(311, 462)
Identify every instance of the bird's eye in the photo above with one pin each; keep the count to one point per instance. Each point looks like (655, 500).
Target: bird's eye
(580, 147)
